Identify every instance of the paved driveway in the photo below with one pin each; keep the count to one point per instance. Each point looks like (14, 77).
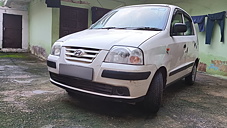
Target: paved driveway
(29, 100)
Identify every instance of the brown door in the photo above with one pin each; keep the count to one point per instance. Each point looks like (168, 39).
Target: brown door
(72, 20)
(98, 13)
(12, 31)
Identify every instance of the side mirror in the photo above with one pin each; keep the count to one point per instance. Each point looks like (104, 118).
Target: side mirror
(179, 27)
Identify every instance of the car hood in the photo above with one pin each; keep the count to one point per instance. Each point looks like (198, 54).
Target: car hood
(105, 39)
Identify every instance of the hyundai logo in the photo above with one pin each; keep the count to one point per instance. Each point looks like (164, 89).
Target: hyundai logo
(79, 53)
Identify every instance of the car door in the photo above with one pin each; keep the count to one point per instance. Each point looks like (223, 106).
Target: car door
(179, 47)
(191, 50)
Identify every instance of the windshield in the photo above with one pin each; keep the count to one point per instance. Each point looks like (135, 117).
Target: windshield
(138, 18)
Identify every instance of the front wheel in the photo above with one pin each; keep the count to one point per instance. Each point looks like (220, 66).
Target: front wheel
(190, 79)
(152, 101)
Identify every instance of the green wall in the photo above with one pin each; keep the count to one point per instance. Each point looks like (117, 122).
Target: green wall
(1, 3)
(40, 28)
(55, 24)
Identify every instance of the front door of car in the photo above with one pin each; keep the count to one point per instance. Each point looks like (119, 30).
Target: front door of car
(190, 37)
(180, 48)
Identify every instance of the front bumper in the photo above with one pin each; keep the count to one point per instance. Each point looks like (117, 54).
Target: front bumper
(98, 95)
(82, 84)
(118, 80)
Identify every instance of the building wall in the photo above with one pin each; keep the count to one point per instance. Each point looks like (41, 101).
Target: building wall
(1, 3)
(24, 25)
(40, 28)
(213, 57)
(55, 24)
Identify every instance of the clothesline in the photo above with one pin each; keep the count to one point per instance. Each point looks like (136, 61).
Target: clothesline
(211, 18)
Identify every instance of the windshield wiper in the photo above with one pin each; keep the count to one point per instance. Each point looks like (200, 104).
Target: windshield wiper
(112, 28)
(133, 28)
(109, 28)
(148, 28)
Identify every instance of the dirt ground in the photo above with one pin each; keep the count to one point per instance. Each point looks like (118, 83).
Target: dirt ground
(29, 100)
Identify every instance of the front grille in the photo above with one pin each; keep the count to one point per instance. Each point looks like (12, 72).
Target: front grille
(89, 85)
(87, 54)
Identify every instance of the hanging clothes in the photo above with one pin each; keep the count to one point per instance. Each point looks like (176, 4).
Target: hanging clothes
(220, 18)
(200, 20)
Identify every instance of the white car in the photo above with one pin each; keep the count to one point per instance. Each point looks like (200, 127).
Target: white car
(131, 54)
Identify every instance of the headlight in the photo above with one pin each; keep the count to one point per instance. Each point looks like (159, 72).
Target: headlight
(125, 55)
(56, 49)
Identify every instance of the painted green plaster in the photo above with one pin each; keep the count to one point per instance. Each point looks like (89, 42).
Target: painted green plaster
(1, 3)
(40, 25)
(215, 64)
(55, 24)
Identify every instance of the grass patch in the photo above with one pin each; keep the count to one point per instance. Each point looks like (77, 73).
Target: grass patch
(15, 55)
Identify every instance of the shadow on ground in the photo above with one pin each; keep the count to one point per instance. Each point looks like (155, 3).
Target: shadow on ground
(99, 105)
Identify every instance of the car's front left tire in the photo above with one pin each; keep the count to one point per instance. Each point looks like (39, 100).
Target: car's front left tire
(153, 98)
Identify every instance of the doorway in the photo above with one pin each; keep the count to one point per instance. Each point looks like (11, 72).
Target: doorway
(72, 20)
(12, 31)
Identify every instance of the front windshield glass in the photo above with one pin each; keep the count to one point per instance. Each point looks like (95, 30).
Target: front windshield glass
(140, 18)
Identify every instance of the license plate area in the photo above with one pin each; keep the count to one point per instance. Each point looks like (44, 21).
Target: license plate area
(76, 71)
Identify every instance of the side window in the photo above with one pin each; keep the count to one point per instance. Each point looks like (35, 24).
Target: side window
(177, 19)
(189, 25)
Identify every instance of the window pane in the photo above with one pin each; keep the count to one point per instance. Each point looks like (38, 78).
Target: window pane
(189, 27)
(148, 16)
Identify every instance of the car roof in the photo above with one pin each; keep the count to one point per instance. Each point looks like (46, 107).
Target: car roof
(161, 5)
(144, 5)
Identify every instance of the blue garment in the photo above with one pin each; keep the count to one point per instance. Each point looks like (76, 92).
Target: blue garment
(220, 18)
(200, 20)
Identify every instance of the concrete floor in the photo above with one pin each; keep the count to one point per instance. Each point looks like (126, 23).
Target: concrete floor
(29, 100)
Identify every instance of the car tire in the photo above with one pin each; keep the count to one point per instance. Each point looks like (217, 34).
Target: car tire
(153, 98)
(190, 79)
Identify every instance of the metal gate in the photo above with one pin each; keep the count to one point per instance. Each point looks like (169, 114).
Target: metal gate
(72, 20)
